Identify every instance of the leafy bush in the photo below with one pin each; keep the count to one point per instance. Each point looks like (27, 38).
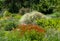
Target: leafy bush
(49, 23)
(44, 6)
(16, 16)
(10, 22)
(9, 36)
(6, 14)
(55, 15)
(32, 36)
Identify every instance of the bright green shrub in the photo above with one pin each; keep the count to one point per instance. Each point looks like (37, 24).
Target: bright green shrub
(32, 36)
(49, 23)
(16, 36)
(16, 16)
(9, 36)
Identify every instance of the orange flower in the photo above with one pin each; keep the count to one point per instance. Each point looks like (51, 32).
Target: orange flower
(29, 27)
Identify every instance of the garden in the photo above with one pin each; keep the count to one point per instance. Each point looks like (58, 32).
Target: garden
(29, 20)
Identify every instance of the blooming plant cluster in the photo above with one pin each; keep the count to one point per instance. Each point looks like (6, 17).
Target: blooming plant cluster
(30, 27)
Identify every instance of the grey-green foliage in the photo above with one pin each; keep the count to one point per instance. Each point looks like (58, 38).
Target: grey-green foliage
(55, 15)
(52, 35)
(30, 18)
(8, 24)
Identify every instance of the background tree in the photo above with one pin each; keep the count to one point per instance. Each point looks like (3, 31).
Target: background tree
(44, 6)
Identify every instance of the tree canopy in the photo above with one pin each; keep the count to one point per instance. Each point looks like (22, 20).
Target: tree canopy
(44, 6)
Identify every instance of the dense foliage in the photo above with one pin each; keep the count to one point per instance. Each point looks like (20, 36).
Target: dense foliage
(44, 6)
(19, 20)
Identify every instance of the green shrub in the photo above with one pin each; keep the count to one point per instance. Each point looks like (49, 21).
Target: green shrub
(8, 24)
(6, 13)
(55, 15)
(32, 36)
(49, 23)
(16, 16)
